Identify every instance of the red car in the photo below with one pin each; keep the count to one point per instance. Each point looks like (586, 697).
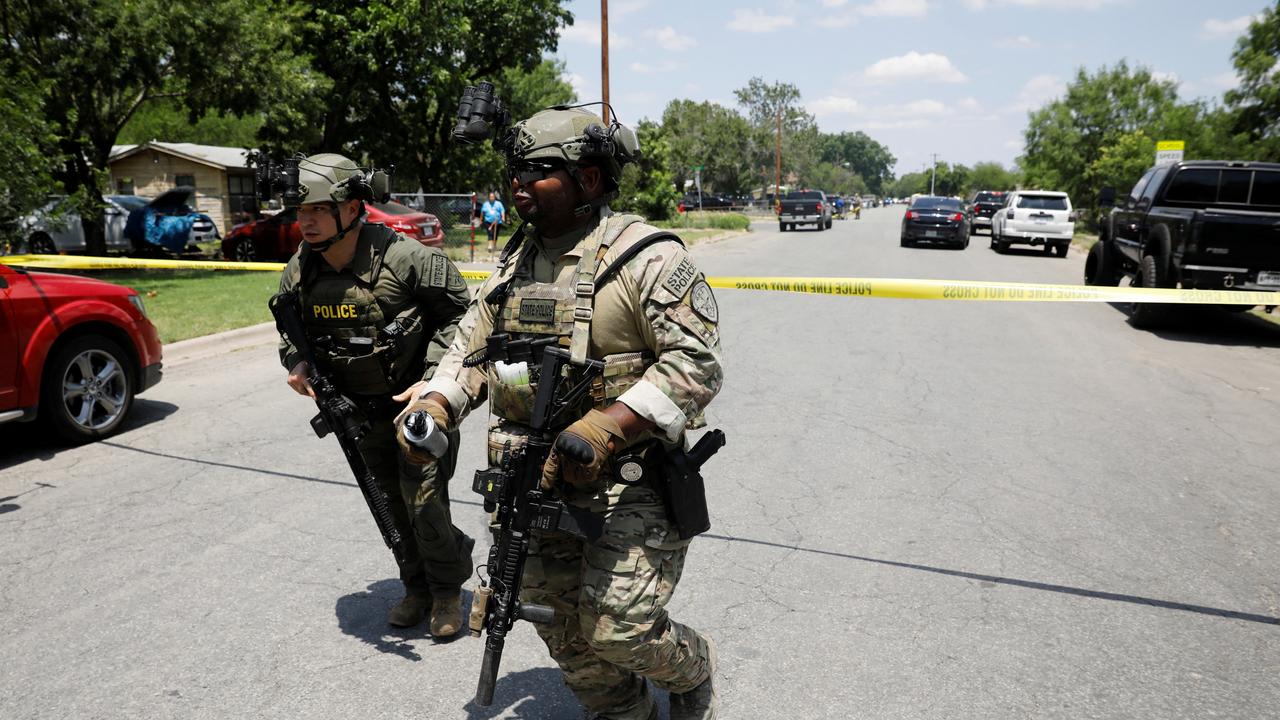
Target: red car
(73, 350)
(276, 238)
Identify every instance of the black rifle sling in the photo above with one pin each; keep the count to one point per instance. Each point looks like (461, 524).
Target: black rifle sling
(625, 256)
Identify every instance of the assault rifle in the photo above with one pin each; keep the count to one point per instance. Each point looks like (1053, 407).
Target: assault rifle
(338, 415)
(513, 492)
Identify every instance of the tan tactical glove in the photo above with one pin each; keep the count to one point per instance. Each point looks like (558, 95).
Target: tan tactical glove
(582, 450)
(413, 453)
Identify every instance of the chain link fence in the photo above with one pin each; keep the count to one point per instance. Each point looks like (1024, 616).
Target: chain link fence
(463, 239)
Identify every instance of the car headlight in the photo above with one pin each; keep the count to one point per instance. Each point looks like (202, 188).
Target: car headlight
(137, 302)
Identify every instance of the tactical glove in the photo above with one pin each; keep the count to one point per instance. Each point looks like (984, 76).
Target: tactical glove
(582, 451)
(413, 453)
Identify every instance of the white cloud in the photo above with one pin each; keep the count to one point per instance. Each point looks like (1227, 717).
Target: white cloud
(626, 7)
(969, 104)
(1214, 28)
(915, 66)
(1020, 42)
(587, 32)
(1165, 76)
(833, 3)
(838, 21)
(665, 66)
(1013, 144)
(755, 20)
(834, 105)
(1046, 4)
(913, 109)
(895, 8)
(668, 39)
(1037, 91)
(1225, 81)
(576, 81)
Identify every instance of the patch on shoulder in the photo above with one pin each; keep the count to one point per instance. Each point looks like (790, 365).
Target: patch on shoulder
(703, 302)
(438, 273)
(681, 277)
(456, 281)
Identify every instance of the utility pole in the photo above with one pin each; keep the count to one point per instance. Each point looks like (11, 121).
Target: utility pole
(934, 175)
(604, 58)
(777, 163)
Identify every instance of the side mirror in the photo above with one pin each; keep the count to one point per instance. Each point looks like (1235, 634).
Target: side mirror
(1107, 197)
(1009, 213)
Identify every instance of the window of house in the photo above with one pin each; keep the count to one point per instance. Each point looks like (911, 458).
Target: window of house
(184, 181)
(124, 186)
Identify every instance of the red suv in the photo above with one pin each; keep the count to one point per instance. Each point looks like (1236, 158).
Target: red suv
(74, 349)
(277, 238)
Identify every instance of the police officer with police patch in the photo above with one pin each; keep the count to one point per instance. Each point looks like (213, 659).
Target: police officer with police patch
(381, 310)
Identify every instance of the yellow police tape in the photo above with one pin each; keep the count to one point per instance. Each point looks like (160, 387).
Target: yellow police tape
(845, 287)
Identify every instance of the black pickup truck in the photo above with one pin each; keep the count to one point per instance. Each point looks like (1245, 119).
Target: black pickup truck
(804, 207)
(1201, 224)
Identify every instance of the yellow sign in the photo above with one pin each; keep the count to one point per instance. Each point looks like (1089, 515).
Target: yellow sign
(1171, 145)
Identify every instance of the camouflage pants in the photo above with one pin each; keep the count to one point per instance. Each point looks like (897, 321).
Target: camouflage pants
(611, 629)
(437, 562)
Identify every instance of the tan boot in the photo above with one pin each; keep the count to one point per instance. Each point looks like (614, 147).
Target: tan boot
(701, 702)
(410, 610)
(446, 615)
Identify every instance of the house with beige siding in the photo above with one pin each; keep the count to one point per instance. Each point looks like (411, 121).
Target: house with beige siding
(220, 175)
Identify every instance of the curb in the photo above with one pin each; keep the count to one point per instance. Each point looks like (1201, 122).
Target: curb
(198, 348)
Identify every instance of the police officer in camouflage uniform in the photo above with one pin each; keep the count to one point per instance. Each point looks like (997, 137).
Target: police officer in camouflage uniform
(654, 325)
(381, 310)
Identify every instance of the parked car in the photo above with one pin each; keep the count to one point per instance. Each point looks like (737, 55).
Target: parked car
(982, 205)
(707, 201)
(276, 238)
(1205, 224)
(935, 220)
(804, 207)
(168, 223)
(56, 228)
(1034, 217)
(74, 352)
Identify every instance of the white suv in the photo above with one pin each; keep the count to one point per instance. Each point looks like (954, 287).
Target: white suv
(1034, 217)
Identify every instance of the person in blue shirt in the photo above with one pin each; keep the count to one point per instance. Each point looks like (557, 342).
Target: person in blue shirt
(840, 208)
(495, 216)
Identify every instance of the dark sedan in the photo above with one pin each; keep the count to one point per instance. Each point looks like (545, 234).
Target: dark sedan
(935, 220)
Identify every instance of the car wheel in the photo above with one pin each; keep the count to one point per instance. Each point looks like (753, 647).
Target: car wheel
(904, 242)
(820, 226)
(1100, 265)
(244, 251)
(828, 224)
(1148, 315)
(41, 244)
(1048, 249)
(1061, 250)
(87, 388)
(965, 245)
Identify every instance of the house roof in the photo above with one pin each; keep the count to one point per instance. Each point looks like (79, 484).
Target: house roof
(213, 155)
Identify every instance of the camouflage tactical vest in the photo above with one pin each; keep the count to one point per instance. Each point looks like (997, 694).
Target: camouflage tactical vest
(347, 324)
(563, 310)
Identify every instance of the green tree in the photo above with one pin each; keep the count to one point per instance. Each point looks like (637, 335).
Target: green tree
(647, 186)
(713, 137)
(1255, 104)
(166, 121)
(909, 184)
(105, 59)
(27, 146)
(990, 176)
(767, 104)
(388, 74)
(862, 155)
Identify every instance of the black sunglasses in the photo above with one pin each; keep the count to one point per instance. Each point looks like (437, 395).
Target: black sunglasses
(531, 172)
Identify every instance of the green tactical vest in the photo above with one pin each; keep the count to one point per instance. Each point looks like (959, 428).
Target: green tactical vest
(346, 322)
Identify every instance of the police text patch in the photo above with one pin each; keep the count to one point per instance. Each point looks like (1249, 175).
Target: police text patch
(345, 311)
(704, 302)
(439, 274)
(679, 279)
(537, 310)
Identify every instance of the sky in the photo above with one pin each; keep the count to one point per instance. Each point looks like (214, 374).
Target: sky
(952, 77)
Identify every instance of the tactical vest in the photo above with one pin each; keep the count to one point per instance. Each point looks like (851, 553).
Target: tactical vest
(534, 310)
(350, 329)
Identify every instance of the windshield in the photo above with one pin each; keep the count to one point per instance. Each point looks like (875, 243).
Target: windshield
(1042, 202)
(935, 203)
(989, 197)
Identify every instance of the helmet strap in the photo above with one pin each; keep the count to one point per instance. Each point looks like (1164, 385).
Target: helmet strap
(337, 221)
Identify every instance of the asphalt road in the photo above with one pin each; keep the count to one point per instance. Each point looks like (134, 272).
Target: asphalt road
(925, 510)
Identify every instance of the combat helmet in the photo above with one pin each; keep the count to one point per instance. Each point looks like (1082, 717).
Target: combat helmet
(330, 177)
(576, 137)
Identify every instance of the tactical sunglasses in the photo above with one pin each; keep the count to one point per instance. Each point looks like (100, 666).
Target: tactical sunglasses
(530, 172)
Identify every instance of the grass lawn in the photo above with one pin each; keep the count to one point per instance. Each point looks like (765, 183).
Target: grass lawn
(190, 303)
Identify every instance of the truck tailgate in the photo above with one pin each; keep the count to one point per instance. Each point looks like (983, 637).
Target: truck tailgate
(1242, 239)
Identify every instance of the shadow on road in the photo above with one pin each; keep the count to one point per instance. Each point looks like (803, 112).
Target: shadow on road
(1212, 326)
(363, 615)
(1029, 584)
(536, 694)
(34, 441)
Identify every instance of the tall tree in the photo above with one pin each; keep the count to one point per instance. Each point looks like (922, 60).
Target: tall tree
(767, 104)
(390, 73)
(861, 155)
(27, 145)
(991, 176)
(105, 59)
(647, 185)
(167, 121)
(713, 137)
(1256, 102)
